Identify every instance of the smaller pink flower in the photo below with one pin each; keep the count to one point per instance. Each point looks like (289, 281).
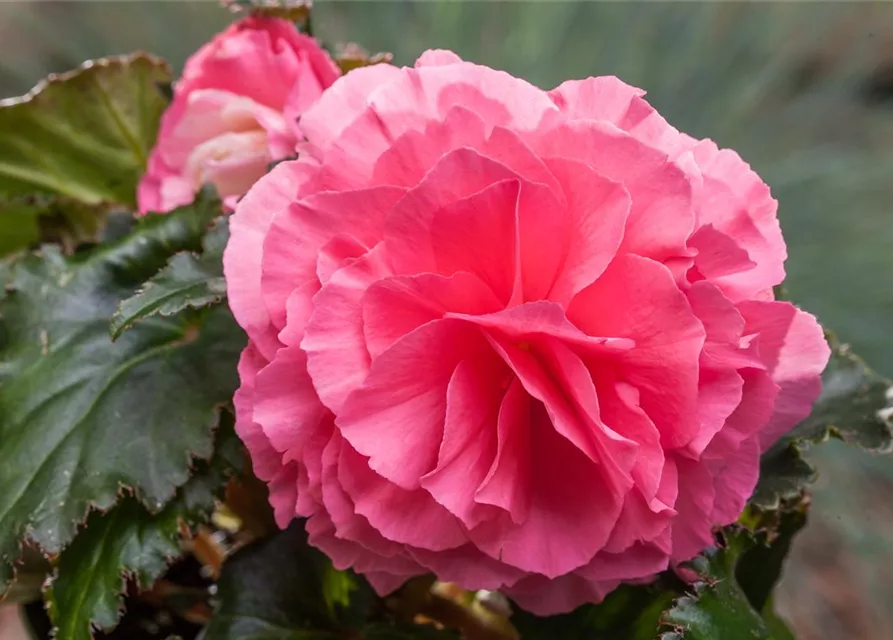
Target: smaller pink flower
(235, 110)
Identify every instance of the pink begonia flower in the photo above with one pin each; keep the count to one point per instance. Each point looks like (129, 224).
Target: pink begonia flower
(524, 340)
(235, 110)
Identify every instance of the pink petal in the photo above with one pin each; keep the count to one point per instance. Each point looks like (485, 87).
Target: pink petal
(736, 202)
(598, 210)
(661, 218)
(639, 561)
(406, 161)
(409, 517)
(468, 448)
(552, 596)
(637, 298)
(507, 483)
(265, 459)
(467, 566)
(569, 516)
(544, 318)
(693, 528)
(734, 476)
(396, 416)
(395, 306)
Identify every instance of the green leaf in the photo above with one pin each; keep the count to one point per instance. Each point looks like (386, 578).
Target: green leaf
(627, 613)
(81, 417)
(26, 221)
(188, 281)
(280, 588)
(19, 227)
(718, 609)
(352, 56)
(759, 567)
(853, 407)
(129, 541)
(85, 134)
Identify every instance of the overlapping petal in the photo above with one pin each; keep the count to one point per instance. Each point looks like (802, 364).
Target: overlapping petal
(523, 340)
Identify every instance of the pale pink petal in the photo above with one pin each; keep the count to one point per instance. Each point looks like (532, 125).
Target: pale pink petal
(337, 358)
(437, 57)
(299, 232)
(285, 404)
(342, 102)
(793, 346)
(242, 258)
(610, 99)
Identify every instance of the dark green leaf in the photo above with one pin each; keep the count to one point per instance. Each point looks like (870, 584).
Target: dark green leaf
(853, 407)
(717, 609)
(784, 474)
(627, 613)
(188, 281)
(85, 134)
(276, 589)
(407, 631)
(759, 567)
(81, 417)
(129, 541)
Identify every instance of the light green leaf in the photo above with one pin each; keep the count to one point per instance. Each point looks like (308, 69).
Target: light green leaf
(85, 134)
(127, 541)
(18, 226)
(297, 11)
(188, 281)
(26, 221)
(81, 417)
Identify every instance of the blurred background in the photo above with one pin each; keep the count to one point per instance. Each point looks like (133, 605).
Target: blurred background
(803, 91)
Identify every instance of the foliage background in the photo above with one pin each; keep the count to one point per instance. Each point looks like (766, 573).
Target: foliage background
(803, 91)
